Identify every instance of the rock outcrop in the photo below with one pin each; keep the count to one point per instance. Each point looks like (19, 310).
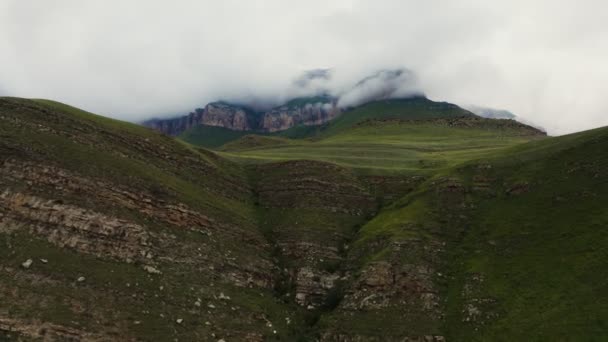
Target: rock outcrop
(284, 117)
(314, 208)
(228, 116)
(217, 114)
(242, 118)
(177, 125)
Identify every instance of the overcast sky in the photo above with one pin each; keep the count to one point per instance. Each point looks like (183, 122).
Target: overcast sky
(546, 61)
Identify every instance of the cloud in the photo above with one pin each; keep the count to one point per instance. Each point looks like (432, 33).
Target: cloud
(315, 79)
(543, 60)
(385, 84)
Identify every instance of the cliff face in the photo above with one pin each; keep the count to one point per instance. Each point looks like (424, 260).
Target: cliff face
(241, 119)
(175, 126)
(224, 115)
(284, 117)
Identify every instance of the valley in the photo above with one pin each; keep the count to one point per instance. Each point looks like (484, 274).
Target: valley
(396, 220)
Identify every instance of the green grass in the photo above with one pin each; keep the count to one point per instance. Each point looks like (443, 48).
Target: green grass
(210, 136)
(409, 109)
(406, 147)
(417, 108)
(136, 159)
(253, 142)
(541, 254)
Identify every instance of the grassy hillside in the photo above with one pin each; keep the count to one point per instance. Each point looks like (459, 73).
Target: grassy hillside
(418, 108)
(536, 245)
(510, 247)
(211, 136)
(395, 146)
(403, 221)
(253, 141)
(215, 137)
(129, 235)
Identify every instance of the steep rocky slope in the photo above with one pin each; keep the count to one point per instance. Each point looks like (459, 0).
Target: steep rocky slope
(112, 232)
(215, 114)
(291, 115)
(310, 210)
(304, 111)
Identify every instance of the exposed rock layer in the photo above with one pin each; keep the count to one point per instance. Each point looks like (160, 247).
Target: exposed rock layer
(239, 118)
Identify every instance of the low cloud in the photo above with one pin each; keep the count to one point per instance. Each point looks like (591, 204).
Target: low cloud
(543, 60)
(385, 84)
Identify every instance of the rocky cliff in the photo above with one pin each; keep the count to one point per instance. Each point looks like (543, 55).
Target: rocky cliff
(214, 114)
(310, 114)
(307, 112)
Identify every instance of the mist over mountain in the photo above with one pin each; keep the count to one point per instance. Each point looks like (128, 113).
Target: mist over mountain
(315, 79)
(321, 83)
(122, 64)
(492, 113)
(385, 84)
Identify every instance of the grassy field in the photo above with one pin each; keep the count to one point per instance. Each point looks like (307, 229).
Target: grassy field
(397, 147)
(405, 136)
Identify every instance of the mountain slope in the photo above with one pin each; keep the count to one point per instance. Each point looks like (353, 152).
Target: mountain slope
(533, 259)
(130, 234)
(413, 108)
(507, 247)
(407, 146)
(425, 225)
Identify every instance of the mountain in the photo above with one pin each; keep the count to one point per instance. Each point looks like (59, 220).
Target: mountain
(412, 108)
(300, 111)
(399, 220)
(314, 106)
(217, 114)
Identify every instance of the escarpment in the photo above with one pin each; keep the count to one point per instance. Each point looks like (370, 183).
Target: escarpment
(242, 118)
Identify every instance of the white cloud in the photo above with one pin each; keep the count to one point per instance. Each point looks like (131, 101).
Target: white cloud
(541, 59)
(383, 84)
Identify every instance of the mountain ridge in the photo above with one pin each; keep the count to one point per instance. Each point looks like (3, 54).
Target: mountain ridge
(311, 103)
(300, 111)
